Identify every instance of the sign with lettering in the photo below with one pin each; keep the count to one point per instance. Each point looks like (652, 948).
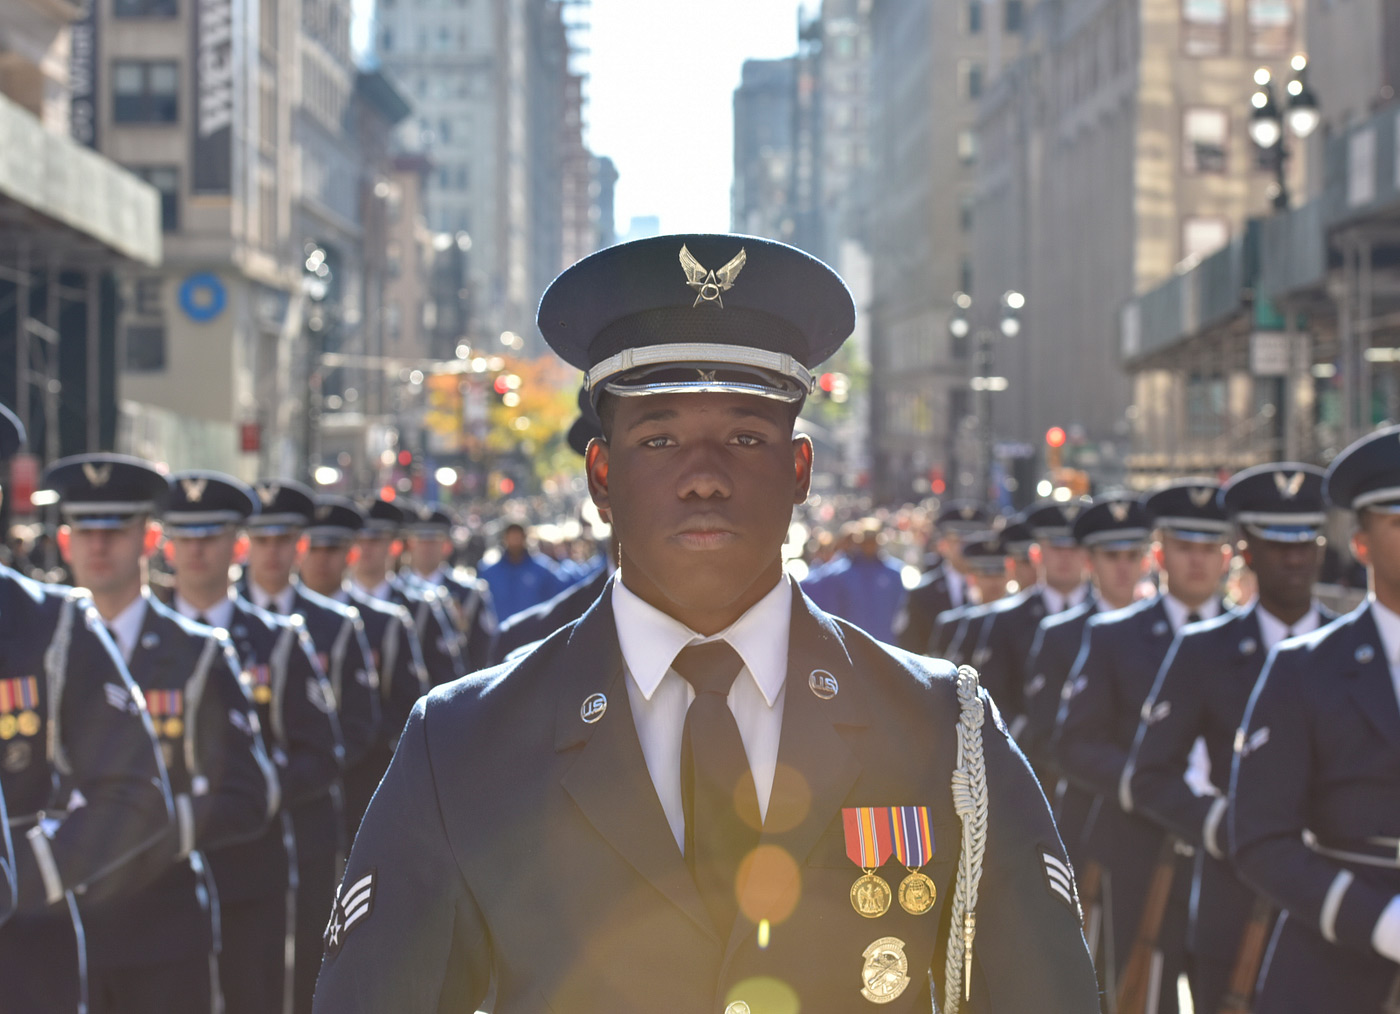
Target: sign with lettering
(214, 79)
(82, 75)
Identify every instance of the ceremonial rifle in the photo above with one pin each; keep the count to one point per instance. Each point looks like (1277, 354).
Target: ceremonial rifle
(1137, 976)
(1248, 957)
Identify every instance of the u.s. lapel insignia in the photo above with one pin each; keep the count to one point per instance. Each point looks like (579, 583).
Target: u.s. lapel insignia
(1249, 646)
(710, 284)
(592, 708)
(194, 488)
(1288, 485)
(1365, 653)
(1119, 510)
(823, 684)
(352, 908)
(268, 493)
(1201, 495)
(1159, 628)
(97, 475)
(886, 972)
(150, 639)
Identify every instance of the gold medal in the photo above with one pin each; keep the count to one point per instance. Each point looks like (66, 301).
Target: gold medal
(870, 896)
(8, 726)
(917, 893)
(172, 728)
(262, 694)
(28, 723)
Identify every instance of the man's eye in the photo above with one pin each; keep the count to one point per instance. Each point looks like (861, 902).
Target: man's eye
(656, 442)
(747, 440)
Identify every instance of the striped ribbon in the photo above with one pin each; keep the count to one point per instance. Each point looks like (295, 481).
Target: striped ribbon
(161, 703)
(20, 694)
(869, 835)
(913, 835)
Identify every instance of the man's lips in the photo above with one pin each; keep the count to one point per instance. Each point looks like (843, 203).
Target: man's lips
(704, 533)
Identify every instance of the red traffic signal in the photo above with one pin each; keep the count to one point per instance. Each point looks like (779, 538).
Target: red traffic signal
(502, 385)
(1055, 437)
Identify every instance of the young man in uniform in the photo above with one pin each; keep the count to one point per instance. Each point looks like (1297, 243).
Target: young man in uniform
(295, 706)
(152, 950)
(275, 534)
(690, 799)
(1200, 697)
(942, 587)
(73, 729)
(427, 537)
(984, 560)
(1315, 793)
(1059, 567)
(403, 678)
(1117, 665)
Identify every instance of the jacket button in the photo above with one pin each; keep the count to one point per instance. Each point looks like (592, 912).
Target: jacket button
(737, 1007)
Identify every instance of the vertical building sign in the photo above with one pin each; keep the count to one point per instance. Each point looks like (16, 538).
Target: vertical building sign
(82, 75)
(212, 162)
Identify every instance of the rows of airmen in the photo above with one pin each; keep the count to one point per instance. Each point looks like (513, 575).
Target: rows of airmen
(1225, 773)
(183, 772)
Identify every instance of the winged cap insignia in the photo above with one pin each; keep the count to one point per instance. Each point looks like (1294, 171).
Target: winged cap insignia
(1119, 509)
(968, 513)
(1288, 485)
(194, 488)
(1070, 511)
(1201, 495)
(707, 376)
(709, 284)
(323, 511)
(268, 493)
(97, 475)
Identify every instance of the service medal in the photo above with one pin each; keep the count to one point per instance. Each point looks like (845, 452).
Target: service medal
(886, 972)
(913, 846)
(869, 843)
(262, 694)
(172, 728)
(28, 723)
(8, 725)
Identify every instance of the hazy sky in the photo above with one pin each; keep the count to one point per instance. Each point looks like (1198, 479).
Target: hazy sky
(661, 90)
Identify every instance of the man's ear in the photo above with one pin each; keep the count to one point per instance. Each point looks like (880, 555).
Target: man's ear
(1360, 546)
(595, 461)
(802, 466)
(152, 538)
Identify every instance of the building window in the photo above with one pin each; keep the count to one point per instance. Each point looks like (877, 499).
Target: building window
(145, 8)
(145, 348)
(965, 275)
(1204, 27)
(145, 91)
(1270, 28)
(1205, 133)
(969, 79)
(967, 148)
(974, 17)
(965, 215)
(1205, 406)
(166, 179)
(1015, 15)
(1201, 237)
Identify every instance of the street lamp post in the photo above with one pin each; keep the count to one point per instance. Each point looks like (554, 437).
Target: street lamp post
(1270, 123)
(983, 380)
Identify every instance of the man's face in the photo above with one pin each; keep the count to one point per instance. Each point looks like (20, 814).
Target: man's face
(514, 541)
(270, 559)
(990, 587)
(427, 554)
(202, 563)
(374, 555)
(1023, 572)
(1194, 570)
(108, 560)
(1116, 573)
(323, 567)
(950, 548)
(1064, 566)
(701, 489)
(1286, 571)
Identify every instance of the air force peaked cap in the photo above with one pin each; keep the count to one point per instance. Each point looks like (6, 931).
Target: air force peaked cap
(383, 518)
(984, 553)
(11, 433)
(1188, 509)
(964, 517)
(1281, 502)
(335, 521)
(1017, 538)
(286, 506)
(1052, 522)
(427, 520)
(1113, 521)
(701, 312)
(205, 503)
(105, 490)
(1367, 474)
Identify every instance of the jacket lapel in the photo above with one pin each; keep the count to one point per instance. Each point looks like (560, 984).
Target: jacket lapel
(1370, 683)
(609, 781)
(144, 655)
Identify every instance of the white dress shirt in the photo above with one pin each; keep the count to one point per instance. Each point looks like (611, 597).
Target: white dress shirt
(1177, 611)
(220, 614)
(1057, 602)
(126, 626)
(1272, 630)
(659, 696)
(957, 585)
(279, 603)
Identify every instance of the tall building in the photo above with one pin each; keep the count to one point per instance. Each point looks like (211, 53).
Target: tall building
(1114, 153)
(930, 65)
(764, 113)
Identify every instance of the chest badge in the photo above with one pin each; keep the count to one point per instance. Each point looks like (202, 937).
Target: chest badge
(869, 844)
(886, 972)
(593, 708)
(913, 847)
(823, 684)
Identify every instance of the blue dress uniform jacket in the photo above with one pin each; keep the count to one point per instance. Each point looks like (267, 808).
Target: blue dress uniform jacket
(926, 601)
(7, 864)
(224, 786)
(437, 636)
(1002, 648)
(513, 838)
(1121, 656)
(538, 622)
(93, 742)
(1315, 814)
(472, 613)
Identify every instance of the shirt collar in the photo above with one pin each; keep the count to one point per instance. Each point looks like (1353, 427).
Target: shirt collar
(1056, 602)
(279, 603)
(1177, 610)
(957, 584)
(126, 625)
(651, 639)
(1388, 623)
(220, 614)
(1273, 630)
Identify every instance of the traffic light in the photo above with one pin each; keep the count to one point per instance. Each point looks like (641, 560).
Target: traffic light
(1054, 444)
